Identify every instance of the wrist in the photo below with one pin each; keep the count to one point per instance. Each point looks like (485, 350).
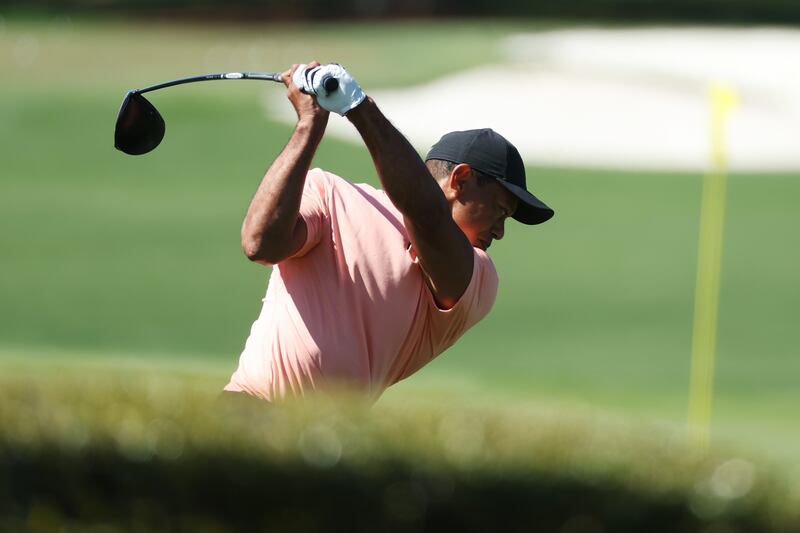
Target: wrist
(360, 112)
(312, 124)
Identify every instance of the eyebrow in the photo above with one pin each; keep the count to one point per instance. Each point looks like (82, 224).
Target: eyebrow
(509, 207)
(506, 208)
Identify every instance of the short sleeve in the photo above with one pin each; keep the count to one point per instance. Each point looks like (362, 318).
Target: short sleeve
(476, 302)
(314, 208)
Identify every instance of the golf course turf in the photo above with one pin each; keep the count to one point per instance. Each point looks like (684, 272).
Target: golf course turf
(115, 262)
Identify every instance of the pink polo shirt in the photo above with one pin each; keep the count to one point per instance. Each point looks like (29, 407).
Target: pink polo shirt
(352, 307)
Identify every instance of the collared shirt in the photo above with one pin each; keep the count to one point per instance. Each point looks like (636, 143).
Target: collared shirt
(352, 307)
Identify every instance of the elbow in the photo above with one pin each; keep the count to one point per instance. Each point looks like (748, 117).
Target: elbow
(268, 246)
(251, 249)
(256, 251)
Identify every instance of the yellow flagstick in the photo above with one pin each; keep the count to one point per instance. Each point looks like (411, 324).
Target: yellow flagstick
(723, 100)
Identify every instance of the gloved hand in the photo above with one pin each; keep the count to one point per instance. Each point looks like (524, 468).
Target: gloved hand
(341, 100)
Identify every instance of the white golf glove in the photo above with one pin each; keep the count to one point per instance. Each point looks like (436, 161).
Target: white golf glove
(345, 97)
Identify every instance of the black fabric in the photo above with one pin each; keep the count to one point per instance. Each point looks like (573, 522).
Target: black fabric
(489, 152)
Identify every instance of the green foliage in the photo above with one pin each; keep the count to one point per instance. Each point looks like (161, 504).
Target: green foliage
(774, 11)
(138, 451)
(108, 254)
(108, 56)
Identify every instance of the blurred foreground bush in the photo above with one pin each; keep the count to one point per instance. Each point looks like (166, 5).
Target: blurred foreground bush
(138, 453)
(732, 11)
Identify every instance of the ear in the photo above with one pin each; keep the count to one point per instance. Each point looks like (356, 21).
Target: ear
(459, 177)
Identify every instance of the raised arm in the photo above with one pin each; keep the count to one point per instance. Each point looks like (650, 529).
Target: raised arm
(444, 252)
(272, 229)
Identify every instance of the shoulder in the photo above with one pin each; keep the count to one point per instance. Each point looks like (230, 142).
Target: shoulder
(484, 266)
(324, 185)
(319, 175)
(350, 192)
(447, 325)
(481, 292)
(329, 179)
(484, 280)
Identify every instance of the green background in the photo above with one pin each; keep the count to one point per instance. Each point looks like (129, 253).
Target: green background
(136, 261)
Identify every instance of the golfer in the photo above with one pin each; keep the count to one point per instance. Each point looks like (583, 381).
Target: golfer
(369, 285)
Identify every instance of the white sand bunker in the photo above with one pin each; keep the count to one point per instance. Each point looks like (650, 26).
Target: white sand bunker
(615, 98)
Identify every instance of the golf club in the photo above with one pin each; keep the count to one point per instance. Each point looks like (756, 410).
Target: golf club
(140, 127)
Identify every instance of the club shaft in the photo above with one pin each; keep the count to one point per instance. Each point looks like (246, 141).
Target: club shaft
(268, 76)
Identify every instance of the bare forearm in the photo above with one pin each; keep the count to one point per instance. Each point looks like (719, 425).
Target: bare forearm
(403, 174)
(269, 226)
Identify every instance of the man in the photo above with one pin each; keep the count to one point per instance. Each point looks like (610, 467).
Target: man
(370, 285)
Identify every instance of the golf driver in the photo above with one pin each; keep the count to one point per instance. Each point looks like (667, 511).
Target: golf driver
(140, 127)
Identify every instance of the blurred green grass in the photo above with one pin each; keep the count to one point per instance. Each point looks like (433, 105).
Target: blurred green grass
(107, 254)
(146, 450)
(95, 55)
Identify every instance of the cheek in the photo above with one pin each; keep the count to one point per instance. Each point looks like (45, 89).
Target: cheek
(483, 215)
(465, 219)
(474, 217)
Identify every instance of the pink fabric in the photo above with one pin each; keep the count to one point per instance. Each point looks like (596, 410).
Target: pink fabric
(352, 307)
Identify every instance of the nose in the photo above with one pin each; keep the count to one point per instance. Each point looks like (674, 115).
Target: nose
(499, 229)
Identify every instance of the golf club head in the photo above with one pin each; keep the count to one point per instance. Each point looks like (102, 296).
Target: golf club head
(139, 127)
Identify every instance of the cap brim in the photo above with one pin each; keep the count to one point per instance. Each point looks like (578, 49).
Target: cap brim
(530, 209)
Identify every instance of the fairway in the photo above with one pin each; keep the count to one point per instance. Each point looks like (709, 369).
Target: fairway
(110, 257)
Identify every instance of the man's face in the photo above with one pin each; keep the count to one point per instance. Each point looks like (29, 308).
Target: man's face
(480, 210)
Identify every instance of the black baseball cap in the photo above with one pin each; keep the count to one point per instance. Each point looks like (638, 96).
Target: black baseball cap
(490, 153)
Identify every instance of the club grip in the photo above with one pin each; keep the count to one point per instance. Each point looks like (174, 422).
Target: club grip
(330, 84)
